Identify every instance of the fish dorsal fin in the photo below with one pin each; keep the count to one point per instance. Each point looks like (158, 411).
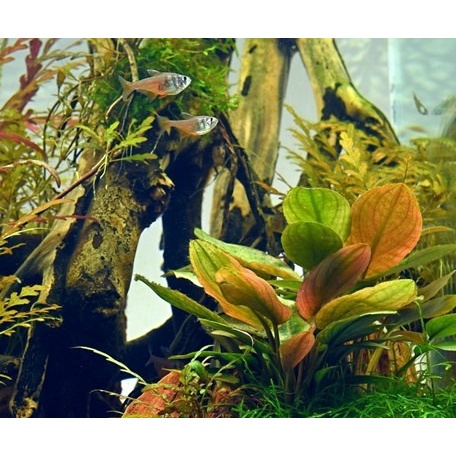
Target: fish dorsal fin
(186, 115)
(153, 72)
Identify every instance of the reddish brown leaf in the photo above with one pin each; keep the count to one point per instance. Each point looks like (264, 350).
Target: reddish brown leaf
(43, 164)
(295, 349)
(154, 403)
(332, 277)
(242, 287)
(17, 46)
(21, 140)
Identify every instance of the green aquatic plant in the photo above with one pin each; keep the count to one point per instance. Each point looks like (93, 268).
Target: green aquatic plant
(203, 60)
(335, 155)
(21, 308)
(394, 398)
(348, 320)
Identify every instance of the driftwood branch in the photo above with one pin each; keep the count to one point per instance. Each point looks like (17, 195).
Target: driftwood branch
(88, 275)
(255, 124)
(335, 95)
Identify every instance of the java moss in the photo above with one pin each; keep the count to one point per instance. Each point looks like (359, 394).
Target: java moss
(205, 61)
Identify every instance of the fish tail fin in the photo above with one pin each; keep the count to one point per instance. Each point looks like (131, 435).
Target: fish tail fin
(164, 124)
(126, 87)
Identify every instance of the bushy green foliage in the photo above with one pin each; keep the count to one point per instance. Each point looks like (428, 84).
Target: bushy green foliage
(335, 155)
(45, 145)
(203, 60)
(16, 311)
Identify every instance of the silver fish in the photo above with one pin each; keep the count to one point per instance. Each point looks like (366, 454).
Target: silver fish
(191, 126)
(158, 84)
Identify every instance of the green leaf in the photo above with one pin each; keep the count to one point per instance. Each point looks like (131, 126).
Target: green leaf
(139, 157)
(288, 285)
(447, 345)
(248, 338)
(254, 259)
(319, 205)
(438, 306)
(294, 325)
(385, 296)
(180, 300)
(435, 286)
(429, 309)
(388, 219)
(338, 332)
(308, 243)
(109, 358)
(422, 257)
(443, 326)
(185, 273)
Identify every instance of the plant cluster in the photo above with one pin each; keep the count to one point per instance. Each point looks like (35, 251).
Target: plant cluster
(363, 307)
(364, 311)
(84, 130)
(352, 318)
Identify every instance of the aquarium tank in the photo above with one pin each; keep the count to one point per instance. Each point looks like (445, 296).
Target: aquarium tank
(209, 207)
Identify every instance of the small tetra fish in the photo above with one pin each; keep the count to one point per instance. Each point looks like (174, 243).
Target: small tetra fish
(191, 126)
(158, 84)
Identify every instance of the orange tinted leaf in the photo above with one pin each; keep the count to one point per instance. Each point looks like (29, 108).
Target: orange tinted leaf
(206, 260)
(256, 260)
(243, 287)
(388, 219)
(333, 276)
(295, 349)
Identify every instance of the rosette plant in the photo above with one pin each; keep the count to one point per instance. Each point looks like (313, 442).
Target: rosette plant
(352, 314)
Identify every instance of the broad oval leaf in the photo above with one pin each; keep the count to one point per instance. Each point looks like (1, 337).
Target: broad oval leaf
(391, 295)
(332, 277)
(308, 243)
(320, 205)
(295, 349)
(388, 219)
(444, 326)
(206, 260)
(242, 287)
